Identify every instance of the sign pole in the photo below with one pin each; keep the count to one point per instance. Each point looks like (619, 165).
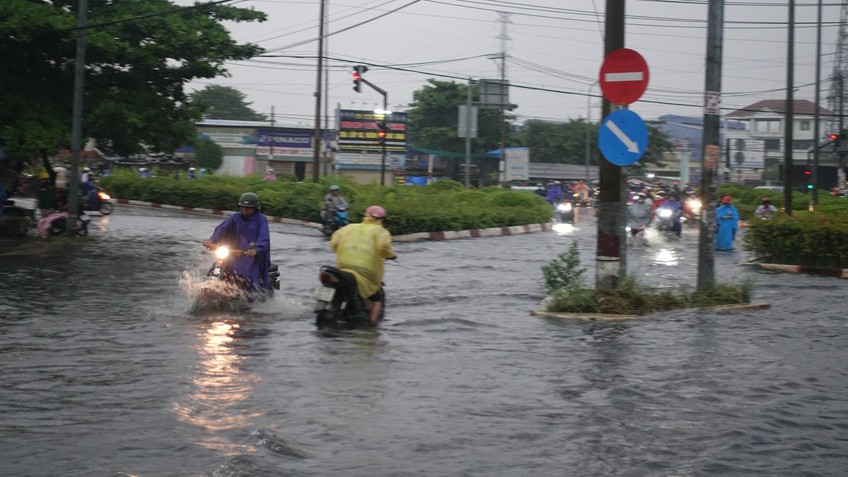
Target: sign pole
(610, 260)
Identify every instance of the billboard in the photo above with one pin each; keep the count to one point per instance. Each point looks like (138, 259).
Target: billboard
(283, 142)
(517, 166)
(358, 131)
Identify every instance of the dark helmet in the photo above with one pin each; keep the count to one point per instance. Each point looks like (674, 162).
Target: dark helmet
(249, 199)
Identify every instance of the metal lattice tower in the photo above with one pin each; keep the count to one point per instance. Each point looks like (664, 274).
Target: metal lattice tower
(836, 100)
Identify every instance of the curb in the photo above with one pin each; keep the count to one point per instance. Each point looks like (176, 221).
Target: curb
(434, 236)
(613, 317)
(821, 271)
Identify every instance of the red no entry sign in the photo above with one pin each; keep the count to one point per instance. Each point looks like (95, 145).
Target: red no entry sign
(624, 76)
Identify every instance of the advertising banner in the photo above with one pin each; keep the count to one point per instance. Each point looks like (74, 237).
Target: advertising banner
(358, 131)
(284, 142)
(517, 164)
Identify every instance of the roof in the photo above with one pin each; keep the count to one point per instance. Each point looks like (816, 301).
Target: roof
(801, 107)
(545, 170)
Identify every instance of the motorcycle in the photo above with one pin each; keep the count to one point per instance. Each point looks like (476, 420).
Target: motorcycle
(565, 212)
(221, 285)
(100, 201)
(337, 300)
(335, 219)
(665, 220)
(691, 209)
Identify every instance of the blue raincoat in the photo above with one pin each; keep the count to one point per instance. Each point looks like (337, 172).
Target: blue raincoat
(238, 232)
(727, 222)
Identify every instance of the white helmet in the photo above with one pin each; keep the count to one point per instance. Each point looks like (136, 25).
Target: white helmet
(192, 169)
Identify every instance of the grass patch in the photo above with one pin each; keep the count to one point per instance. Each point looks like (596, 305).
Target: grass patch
(568, 294)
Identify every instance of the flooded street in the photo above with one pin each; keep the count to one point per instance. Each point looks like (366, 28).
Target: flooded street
(106, 372)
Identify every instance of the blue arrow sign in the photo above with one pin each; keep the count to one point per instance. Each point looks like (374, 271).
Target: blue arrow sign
(623, 137)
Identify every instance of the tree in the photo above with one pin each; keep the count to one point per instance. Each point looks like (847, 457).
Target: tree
(139, 56)
(223, 102)
(565, 143)
(208, 154)
(434, 118)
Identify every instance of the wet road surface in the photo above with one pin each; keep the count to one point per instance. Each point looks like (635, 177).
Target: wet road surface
(105, 370)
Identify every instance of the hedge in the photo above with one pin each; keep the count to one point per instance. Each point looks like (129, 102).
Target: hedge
(805, 238)
(442, 206)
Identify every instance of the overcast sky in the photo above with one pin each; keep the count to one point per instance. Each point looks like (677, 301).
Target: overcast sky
(555, 46)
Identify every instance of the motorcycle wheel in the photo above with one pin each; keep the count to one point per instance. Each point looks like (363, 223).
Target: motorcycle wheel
(106, 208)
(325, 318)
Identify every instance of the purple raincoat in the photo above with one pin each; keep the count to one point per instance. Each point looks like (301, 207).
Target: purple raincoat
(238, 232)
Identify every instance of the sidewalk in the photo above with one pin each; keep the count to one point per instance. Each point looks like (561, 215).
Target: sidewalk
(448, 235)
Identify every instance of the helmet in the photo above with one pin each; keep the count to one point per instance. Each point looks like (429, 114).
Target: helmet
(376, 211)
(334, 187)
(86, 169)
(725, 199)
(766, 199)
(43, 175)
(249, 199)
(192, 169)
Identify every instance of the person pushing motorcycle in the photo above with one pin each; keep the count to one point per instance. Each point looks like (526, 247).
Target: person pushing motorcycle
(246, 230)
(360, 249)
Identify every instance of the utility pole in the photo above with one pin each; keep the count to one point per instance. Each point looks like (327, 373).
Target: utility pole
(468, 107)
(316, 141)
(789, 113)
(610, 262)
(712, 146)
(816, 132)
(504, 37)
(76, 118)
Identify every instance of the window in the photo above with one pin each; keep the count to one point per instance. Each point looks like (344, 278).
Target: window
(767, 125)
(805, 125)
(803, 144)
(771, 144)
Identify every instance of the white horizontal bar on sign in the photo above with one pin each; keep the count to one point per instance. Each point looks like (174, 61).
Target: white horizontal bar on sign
(629, 76)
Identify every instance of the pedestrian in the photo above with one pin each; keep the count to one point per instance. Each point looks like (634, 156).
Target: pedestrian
(765, 210)
(269, 175)
(192, 173)
(727, 222)
(46, 193)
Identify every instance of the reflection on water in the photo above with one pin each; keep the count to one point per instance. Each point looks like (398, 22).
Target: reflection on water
(220, 387)
(564, 229)
(667, 256)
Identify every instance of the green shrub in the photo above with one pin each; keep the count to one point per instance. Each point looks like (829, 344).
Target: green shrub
(810, 239)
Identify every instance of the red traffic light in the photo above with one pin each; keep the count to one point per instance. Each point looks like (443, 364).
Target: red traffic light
(808, 172)
(833, 136)
(356, 77)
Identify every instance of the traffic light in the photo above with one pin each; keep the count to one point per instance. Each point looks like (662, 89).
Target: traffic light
(381, 131)
(358, 71)
(836, 139)
(808, 175)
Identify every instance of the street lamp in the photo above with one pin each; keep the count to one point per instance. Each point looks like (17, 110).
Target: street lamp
(588, 125)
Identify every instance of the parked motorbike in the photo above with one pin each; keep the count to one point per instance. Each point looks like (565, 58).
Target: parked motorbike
(337, 300)
(99, 202)
(335, 219)
(223, 285)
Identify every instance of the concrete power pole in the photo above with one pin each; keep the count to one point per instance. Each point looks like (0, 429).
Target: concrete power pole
(789, 113)
(316, 141)
(610, 262)
(712, 146)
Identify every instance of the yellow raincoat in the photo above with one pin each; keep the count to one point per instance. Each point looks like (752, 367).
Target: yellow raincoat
(360, 249)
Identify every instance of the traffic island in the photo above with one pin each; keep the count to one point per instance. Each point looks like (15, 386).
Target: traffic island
(618, 317)
(820, 271)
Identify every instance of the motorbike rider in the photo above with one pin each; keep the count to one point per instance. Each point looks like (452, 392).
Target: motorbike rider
(673, 203)
(581, 190)
(246, 230)
(333, 200)
(638, 215)
(765, 210)
(192, 173)
(553, 193)
(360, 249)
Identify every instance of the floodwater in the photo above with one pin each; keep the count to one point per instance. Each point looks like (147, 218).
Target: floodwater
(106, 372)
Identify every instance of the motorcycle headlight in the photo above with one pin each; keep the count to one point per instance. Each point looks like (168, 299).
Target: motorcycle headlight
(222, 252)
(104, 195)
(564, 207)
(664, 213)
(694, 204)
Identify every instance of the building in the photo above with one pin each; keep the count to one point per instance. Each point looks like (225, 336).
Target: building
(758, 149)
